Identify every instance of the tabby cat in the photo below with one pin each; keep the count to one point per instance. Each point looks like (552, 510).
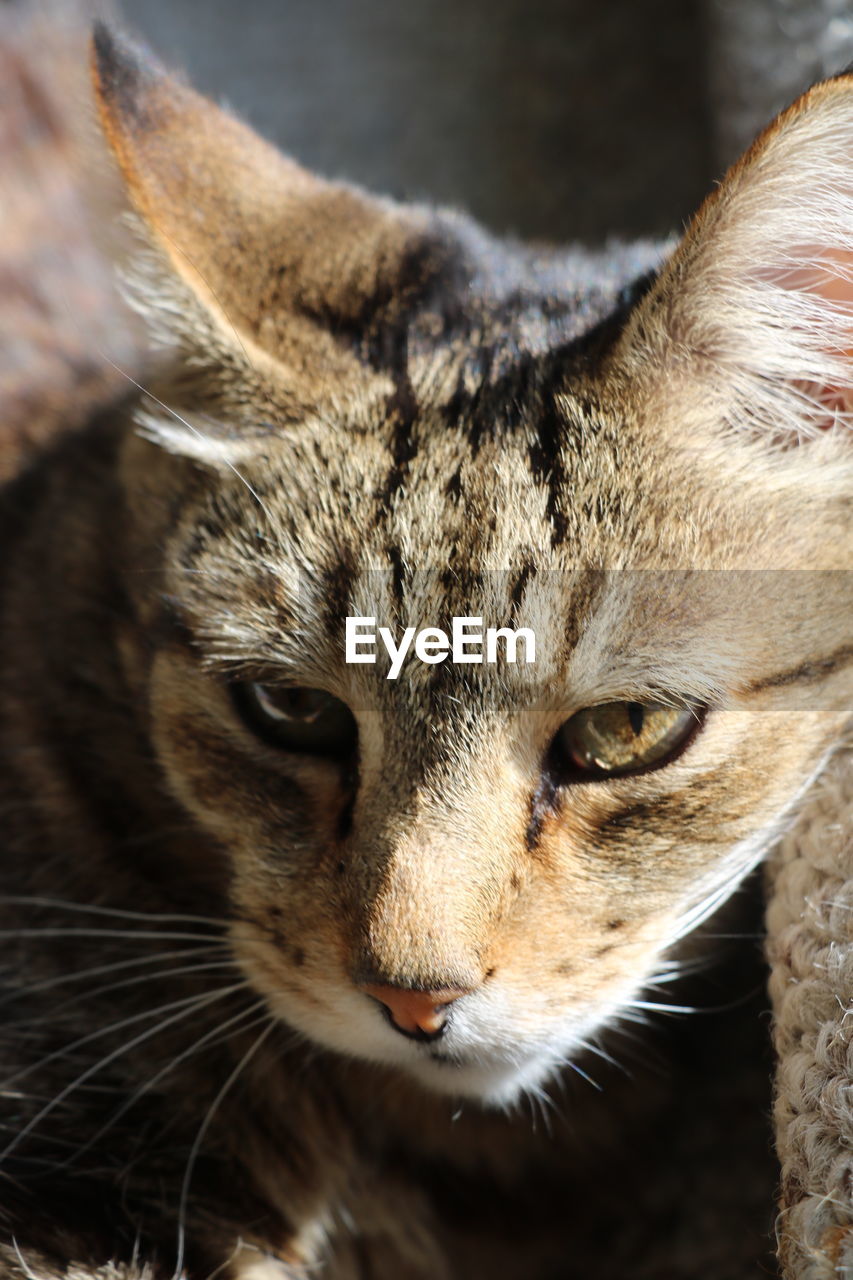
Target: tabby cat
(295, 953)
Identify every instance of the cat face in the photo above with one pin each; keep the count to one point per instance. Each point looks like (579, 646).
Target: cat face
(466, 871)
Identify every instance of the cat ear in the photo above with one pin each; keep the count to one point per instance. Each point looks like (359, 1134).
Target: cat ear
(757, 303)
(257, 239)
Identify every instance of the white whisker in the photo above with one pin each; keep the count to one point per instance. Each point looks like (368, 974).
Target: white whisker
(199, 1138)
(123, 913)
(541, 1102)
(194, 431)
(139, 980)
(211, 1038)
(656, 1007)
(198, 1002)
(105, 1031)
(579, 1071)
(27, 1270)
(597, 1050)
(48, 932)
(97, 971)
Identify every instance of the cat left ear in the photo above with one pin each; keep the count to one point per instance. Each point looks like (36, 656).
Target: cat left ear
(271, 250)
(757, 303)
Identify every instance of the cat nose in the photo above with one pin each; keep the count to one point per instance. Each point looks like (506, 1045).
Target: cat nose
(419, 1014)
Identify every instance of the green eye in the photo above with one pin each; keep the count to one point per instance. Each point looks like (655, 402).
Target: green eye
(617, 738)
(310, 721)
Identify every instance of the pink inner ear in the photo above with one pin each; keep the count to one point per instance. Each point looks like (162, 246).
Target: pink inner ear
(836, 400)
(826, 274)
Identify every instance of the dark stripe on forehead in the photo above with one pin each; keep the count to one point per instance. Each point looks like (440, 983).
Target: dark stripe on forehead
(498, 403)
(431, 272)
(581, 601)
(500, 386)
(338, 583)
(554, 435)
(547, 466)
(516, 597)
(503, 387)
(382, 340)
(399, 576)
(402, 410)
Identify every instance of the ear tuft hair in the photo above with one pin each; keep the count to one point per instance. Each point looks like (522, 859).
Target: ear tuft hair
(194, 436)
(759, 298)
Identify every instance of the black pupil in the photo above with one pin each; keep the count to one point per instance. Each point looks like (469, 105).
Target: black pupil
(636, 717)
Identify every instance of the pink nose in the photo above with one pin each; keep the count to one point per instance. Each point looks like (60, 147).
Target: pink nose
(415, 1011)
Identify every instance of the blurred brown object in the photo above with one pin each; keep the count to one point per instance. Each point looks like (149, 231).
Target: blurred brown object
(62, 324)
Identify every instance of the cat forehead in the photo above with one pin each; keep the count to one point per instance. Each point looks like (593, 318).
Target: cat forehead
(427, 518)
(525, 465)
(470, 401)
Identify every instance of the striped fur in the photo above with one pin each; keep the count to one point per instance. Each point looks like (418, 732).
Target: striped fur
(372, 409)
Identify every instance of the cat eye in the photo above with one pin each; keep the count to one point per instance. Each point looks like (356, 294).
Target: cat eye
(618, 738)
(310, 721)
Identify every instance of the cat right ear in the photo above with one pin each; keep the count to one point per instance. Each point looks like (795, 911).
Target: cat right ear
(753, 315)
(271, 258)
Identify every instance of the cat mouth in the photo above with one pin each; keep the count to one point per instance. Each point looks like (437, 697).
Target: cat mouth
(491, 1083)
(447, 1059)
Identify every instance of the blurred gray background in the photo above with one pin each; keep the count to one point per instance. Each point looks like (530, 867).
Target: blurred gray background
(555, 119)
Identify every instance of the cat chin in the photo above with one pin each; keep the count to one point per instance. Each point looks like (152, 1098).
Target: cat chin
(495, 1085)
(479, 1061)
(467, 1072)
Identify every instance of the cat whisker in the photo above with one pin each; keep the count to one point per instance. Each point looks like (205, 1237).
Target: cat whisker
(655, 1006)
(631, 1015)
(240, 1022)
(184, 1003)
(591, 1047)
(541, 1104)
(120, 912)
(640, 1048)
(139, 980)
(97, 971)
(199, 1138)
(729, 878)
(147, 934)
(194, 431)
(703, 910)
(22, 1262)
(187, 1006)
(579, 1071)
(747, 936)
(672, 970)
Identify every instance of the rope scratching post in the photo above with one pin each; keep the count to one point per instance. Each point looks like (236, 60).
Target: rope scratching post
(810, 949)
